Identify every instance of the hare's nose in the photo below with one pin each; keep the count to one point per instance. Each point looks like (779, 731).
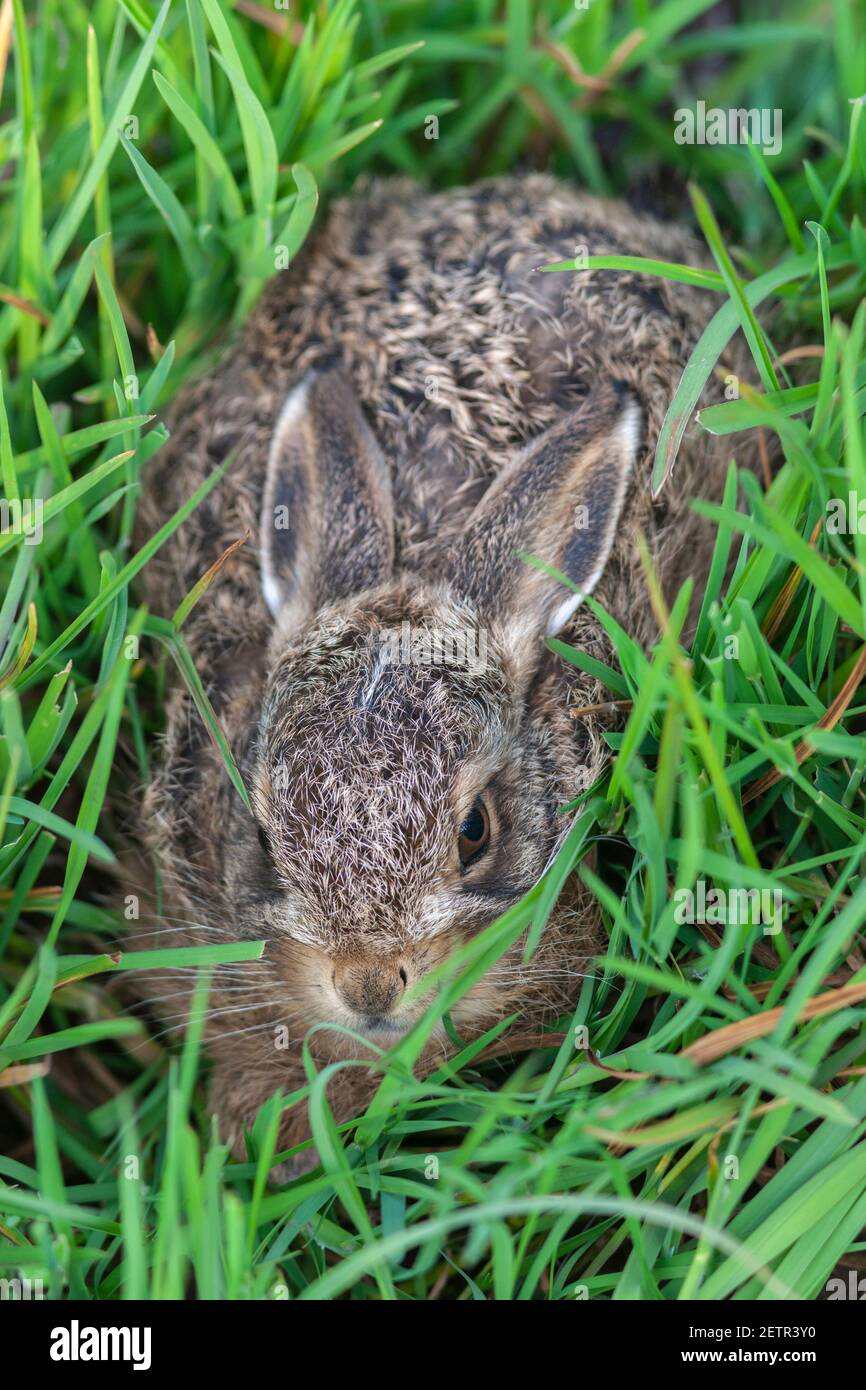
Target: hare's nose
(371, 988)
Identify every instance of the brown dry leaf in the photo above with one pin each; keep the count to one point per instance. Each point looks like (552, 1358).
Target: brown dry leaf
(277, 23)
(20, 1075)
(154, 346)
(25, 305)
(519, 1042)
(608, 706)
(570, 64)
(828, 720)
(612, 1071)
(782, 602)
(734, 1035)
(202, 585)
(663, 1131)
(615, 61)
(35, 895)
(798, 353)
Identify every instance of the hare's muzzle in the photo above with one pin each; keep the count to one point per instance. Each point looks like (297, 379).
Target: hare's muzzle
(371, 988)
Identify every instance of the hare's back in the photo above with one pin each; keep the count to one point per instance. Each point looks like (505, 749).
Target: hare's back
(460, 349)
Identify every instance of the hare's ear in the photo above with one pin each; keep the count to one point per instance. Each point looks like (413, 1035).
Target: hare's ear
(559, 501)
(327, 528)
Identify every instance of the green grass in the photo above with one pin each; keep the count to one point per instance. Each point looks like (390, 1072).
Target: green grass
(157, 166)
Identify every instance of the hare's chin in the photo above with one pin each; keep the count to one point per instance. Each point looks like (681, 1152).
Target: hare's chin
(382, 1029)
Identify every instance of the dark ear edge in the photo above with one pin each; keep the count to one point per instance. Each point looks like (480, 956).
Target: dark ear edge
(606, 483)
(327, 527)
(560, 501)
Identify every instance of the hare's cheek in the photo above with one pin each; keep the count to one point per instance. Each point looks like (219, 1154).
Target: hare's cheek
(297, 966)
(489, 999)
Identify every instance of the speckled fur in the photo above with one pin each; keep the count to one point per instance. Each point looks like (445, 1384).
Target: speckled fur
(460, 354)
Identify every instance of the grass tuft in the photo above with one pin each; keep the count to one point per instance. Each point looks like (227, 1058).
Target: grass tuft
(697, 1129)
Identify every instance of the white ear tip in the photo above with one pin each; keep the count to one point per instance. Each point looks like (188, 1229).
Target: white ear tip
(271, 593)
(629, 430)
(560, 616)
(288, 420)
(628, 433)
(294, 403)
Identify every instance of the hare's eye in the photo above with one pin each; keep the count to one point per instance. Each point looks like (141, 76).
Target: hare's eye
(474, 835)
(264, 841)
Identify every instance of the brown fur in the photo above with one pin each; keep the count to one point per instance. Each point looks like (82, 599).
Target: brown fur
(469, 367)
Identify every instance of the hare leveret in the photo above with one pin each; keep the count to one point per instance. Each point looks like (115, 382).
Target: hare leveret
(412, 407)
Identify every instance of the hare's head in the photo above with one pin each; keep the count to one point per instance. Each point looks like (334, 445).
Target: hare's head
(407, 772)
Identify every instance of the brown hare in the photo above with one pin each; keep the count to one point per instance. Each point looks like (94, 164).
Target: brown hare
(411, 409)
